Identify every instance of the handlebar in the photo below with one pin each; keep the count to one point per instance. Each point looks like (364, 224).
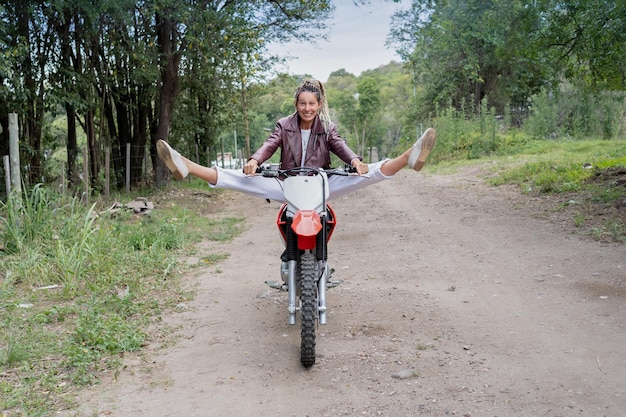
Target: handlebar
(273, 171)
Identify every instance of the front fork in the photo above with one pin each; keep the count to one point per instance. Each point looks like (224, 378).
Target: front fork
(321, 290)
(292, 293)
(292, 290)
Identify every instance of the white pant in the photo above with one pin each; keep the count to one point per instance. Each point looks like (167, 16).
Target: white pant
(272, 188)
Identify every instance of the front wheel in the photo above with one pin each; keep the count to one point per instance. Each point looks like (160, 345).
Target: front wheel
(308, 309)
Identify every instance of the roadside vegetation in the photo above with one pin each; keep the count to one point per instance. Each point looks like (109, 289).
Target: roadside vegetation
(82, 287)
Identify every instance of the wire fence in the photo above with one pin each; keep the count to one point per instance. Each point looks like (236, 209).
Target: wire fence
(94, 171)
(116, 168)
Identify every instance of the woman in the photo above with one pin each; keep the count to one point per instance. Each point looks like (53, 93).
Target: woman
(306, 138)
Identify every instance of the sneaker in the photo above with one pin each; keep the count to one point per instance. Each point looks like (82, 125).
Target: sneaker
(421, 149)
(173, 160)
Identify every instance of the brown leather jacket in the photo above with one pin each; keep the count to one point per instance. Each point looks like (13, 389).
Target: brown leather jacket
(286, 136)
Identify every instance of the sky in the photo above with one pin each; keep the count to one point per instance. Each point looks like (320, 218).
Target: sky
(356, 41)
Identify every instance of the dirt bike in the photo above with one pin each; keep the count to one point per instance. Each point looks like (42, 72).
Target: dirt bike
(306, 223)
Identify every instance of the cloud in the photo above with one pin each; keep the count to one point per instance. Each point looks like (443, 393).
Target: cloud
(356, 41)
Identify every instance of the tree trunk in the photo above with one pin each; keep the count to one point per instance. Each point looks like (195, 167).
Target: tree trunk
(116, 153)
(70, 112)
(138, 148)
(4, 124)
(167, 37)
(72, 146)
(246, 124)
(32, 123)
(94, 155)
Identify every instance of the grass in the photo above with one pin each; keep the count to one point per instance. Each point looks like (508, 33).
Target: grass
(80, 288)
(589, 176)
(579, 177)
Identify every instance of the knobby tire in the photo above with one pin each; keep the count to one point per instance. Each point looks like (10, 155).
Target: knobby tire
(308, 309)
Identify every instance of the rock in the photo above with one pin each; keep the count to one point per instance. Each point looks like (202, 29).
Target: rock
(405, 374)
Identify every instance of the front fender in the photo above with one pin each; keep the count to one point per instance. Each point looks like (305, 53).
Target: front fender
(306, 225)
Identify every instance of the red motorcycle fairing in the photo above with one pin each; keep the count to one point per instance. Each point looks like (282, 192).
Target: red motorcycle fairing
(281, 222)
(306, 224)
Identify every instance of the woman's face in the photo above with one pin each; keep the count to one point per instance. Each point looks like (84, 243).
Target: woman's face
(307, 106)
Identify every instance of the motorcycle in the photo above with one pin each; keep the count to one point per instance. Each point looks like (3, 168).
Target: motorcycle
(306, 223)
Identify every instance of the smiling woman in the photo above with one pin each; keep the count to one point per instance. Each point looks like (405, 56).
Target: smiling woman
(307, 107)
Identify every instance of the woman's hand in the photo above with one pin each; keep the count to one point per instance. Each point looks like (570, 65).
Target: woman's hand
(360, 167)
(250, 167)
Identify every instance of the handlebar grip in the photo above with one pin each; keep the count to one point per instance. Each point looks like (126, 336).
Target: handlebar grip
(270, 171)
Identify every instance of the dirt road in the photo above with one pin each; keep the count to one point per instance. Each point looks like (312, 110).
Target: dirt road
(456, 301)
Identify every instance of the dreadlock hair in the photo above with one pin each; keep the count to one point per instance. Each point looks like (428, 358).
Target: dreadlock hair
(314, 86)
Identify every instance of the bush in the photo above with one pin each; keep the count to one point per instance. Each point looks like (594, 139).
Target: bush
(578, 114)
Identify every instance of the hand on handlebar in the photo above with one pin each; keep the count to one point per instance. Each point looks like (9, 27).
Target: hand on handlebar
(360, 167)
(250, 168)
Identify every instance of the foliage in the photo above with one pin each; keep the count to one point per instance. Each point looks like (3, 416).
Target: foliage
(584, 40)
(578, 113)
(468, 50)
(464, 51)
(81, 288)
(473, 137)
(119, 68)
(199, 74)
(380, 121)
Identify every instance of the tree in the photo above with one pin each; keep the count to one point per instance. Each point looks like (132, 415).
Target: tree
(396, 95)
(345, 102)
(462, 51)
(6, 64)
(359, 111)
(118, 69)
(29, 40)
(586, 41)
(240, 30)
(368, 111)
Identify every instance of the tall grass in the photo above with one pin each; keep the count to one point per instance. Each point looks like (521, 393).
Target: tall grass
(79, 288)
(469, 135)
(576, 113)
(24, 218)
(570, 113)
(52, 231)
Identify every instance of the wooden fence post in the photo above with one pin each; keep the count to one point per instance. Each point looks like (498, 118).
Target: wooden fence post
(127, 168)
(146, 154)
(85, 174)
(107, 172)
(62, 185)
(14, 154)
(7, 173)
